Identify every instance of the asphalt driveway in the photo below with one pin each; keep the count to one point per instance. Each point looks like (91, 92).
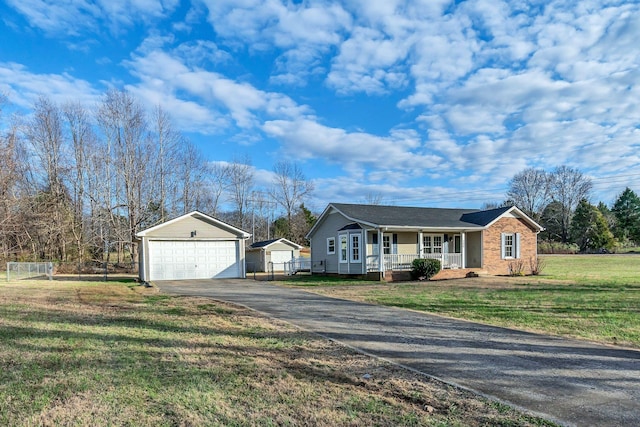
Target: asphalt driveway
(568, 381)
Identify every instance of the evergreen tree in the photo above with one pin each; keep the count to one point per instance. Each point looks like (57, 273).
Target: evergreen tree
(589, 229)
(627, 213)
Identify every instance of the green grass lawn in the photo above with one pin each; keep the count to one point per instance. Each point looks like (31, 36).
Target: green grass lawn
(95, 353)
(594, 297)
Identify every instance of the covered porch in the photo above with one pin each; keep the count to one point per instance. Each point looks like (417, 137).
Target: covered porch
(403, 262)
(395, 250)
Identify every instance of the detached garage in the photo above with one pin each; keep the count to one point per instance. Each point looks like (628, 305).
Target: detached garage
(193, 246)
(276, 251)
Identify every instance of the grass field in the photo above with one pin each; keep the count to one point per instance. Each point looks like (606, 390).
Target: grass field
(594, 297)
(94, 353)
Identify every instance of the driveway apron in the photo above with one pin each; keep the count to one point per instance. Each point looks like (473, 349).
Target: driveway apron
(568, 381)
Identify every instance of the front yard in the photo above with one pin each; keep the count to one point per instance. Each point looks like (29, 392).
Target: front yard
(95, 353)
(593, 297)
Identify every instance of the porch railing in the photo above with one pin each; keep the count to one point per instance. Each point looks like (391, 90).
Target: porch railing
(400, 262)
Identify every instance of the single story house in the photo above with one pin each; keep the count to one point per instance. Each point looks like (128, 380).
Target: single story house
(276, 251)
(192, 246)
(381, 242)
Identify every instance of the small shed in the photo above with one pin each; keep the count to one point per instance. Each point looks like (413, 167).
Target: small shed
(277, 251)
(192, 246)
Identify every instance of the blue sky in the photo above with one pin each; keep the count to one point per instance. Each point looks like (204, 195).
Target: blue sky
(424, 102)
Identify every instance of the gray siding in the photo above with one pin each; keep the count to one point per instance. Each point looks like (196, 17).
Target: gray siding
(329, 228)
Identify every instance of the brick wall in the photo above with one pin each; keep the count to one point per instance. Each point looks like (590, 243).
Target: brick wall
(492, 262)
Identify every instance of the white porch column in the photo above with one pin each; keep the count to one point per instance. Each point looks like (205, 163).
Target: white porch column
(380, 251)
(463, 249)
(365, 238)
(420, 244)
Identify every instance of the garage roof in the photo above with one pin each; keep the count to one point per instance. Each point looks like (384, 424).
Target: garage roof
(203, 218)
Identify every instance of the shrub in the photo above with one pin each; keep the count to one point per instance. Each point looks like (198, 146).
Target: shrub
(516, 268)
(550, 247)
(536, 264)
(423, 269)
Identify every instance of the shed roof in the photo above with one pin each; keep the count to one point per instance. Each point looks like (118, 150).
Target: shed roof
(266, 243)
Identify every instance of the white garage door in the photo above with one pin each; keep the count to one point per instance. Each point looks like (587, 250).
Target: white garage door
(279, 257)
(176, 260)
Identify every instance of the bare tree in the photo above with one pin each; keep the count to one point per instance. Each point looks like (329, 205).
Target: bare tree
(49, 217)
(169, 144)
(568, 187)
(530, 191)
(191, 174)
(289, 189)
(10, 175)
(45, 135)
(80, 133)
(123, 123)
(372, 198)
(239, 186)
(213, 186)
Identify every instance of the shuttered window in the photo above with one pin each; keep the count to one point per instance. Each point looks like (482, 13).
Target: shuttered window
(510, 245)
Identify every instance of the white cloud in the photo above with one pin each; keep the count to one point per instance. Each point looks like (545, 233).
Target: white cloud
(301, 32)
(175, 75)
(24, 87)
(74, 17)
(400, 151)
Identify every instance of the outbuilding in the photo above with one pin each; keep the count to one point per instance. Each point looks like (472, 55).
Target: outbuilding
(192, 246)
(276, 251)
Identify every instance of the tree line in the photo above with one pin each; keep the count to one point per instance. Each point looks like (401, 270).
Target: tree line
(77, 184)
(559, 201)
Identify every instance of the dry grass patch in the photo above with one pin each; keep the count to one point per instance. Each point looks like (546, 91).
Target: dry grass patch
(96, 353)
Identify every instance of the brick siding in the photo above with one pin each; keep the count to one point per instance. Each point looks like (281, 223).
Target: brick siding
(492, 262)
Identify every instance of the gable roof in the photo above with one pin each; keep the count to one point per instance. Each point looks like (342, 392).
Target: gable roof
(266, 243)
(203, 217)
(378, 216)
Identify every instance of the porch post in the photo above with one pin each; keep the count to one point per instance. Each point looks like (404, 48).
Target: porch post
(365, 237)
(463, 249)
(380, 251)
(420, 244)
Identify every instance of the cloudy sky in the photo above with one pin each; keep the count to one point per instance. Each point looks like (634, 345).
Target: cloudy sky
(423, 102)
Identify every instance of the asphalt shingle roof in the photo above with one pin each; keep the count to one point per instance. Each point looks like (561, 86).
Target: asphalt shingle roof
(262, 244)
(401, 216)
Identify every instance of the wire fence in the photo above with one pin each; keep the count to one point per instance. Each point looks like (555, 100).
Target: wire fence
(29, 270)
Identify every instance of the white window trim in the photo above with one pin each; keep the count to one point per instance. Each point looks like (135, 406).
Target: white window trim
(344, 241)
(515, 250)
(355, 238)
(331, 241)
(387, 239)
(431, 247)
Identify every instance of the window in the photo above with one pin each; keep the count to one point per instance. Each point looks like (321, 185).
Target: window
(426, 244)
(355, 248)
(510, 245)
(343, 248)
(386, 245)
(374, 244)
(432, 243)
(331, 246)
